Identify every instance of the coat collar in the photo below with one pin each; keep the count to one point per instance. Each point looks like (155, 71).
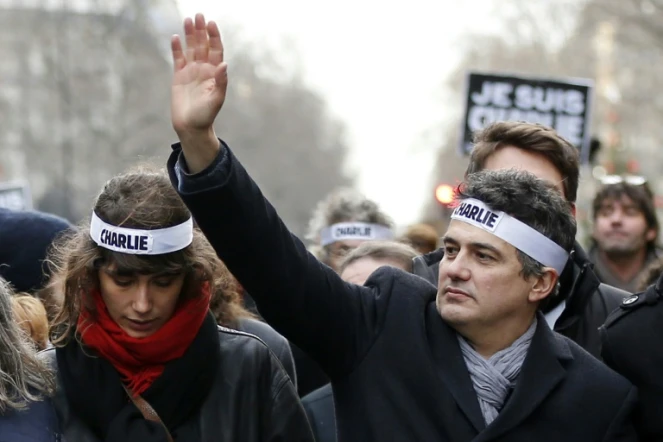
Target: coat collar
(452, 369)
(542, 371)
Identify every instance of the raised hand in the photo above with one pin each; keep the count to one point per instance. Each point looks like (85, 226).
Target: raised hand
(199, 89)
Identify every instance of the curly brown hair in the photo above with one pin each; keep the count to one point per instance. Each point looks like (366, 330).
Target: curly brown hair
(142, 198)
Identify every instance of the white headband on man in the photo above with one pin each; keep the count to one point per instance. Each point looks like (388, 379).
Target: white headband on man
(354, 231)
(523, 237)
(141, 242)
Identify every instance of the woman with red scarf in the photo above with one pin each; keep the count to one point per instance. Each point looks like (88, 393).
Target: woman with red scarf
(139, 356)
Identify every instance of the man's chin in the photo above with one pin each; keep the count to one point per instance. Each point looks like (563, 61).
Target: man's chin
(453, 314)
(619, 251)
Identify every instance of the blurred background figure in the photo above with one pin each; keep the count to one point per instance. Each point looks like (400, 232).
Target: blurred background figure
(356, 268)
(341, 222)
(339, 225)
(26, 413)
(422, 237)
(30, 315)
(26, 237)
(625, 231)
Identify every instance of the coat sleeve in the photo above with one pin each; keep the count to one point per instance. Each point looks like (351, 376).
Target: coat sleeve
(622, 428)
(303, 299)
(284, 418)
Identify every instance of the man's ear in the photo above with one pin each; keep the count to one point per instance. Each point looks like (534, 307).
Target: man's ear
(544, 285)
(573, 209)
(651, 235)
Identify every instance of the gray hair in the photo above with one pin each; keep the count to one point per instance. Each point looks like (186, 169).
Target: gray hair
(528, 199)
(398, 252)
(343, 205)
(24, 377)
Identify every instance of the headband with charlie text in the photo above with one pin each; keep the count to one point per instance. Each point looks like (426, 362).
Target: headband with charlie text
(354, 231)
(141, 242)
(523, 237)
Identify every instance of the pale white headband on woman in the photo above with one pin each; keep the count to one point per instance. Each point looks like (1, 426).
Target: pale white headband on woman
(354, 231)
(523, 237)
(138, 241)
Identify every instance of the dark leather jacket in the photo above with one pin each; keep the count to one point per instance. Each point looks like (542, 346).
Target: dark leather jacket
(252, 399)
(276, 343)
(588, 301)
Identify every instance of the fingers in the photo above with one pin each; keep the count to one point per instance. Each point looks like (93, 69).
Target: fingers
(215, 44)
(221, 76)
(190, 38)
(201, 51)
(179, 61)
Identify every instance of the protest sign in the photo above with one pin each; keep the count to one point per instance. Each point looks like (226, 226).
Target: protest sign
(563, 104)
(15, 196)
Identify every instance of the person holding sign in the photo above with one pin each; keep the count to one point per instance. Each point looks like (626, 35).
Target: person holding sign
(139, 356)
(473, 360)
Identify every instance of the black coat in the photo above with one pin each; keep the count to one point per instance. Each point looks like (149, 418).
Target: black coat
(396, 367)
(588, 301)
(275, 342)
(252, 399)
(36, 423)
(319, 407)
(632, 346)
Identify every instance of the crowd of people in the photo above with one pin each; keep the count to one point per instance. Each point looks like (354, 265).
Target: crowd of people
(183, 309)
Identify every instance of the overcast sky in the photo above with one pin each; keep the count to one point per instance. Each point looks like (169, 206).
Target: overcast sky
(380, 66)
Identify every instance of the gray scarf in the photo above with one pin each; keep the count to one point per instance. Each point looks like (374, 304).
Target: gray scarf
(494, 378)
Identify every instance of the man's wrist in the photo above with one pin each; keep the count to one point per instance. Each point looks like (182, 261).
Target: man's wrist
(200, 148)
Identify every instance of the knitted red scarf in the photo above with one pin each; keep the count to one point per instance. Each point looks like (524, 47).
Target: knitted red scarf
(142, 360)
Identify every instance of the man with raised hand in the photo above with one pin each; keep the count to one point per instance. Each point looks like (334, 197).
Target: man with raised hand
(473, 361)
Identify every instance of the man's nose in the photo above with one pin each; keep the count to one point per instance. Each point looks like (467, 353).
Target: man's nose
(457, 268)
(617, 217)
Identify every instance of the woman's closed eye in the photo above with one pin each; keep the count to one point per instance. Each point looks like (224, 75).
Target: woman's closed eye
(165, 281)
(123, 282)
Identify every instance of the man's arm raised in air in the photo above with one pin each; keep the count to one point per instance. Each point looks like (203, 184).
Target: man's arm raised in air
(306, 301)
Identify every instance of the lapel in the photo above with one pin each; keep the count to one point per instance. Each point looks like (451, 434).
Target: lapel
(451, 366)
(542, 371)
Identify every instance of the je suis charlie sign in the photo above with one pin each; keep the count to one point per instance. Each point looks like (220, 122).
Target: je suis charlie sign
(563, 104)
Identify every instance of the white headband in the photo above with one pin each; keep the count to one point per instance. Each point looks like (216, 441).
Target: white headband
(141, 242)
(352, 230)
(524, 238)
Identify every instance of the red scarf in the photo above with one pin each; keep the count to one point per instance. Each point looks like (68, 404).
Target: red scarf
(142, 360)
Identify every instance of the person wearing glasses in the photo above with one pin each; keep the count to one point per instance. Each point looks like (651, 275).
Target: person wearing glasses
(625, 231)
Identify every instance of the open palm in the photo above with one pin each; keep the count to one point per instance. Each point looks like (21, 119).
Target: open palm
(201, 78)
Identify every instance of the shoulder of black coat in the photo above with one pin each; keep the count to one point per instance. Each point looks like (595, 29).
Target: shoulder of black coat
(636, 305)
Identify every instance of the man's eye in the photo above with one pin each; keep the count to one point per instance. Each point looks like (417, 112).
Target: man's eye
(484, 257)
